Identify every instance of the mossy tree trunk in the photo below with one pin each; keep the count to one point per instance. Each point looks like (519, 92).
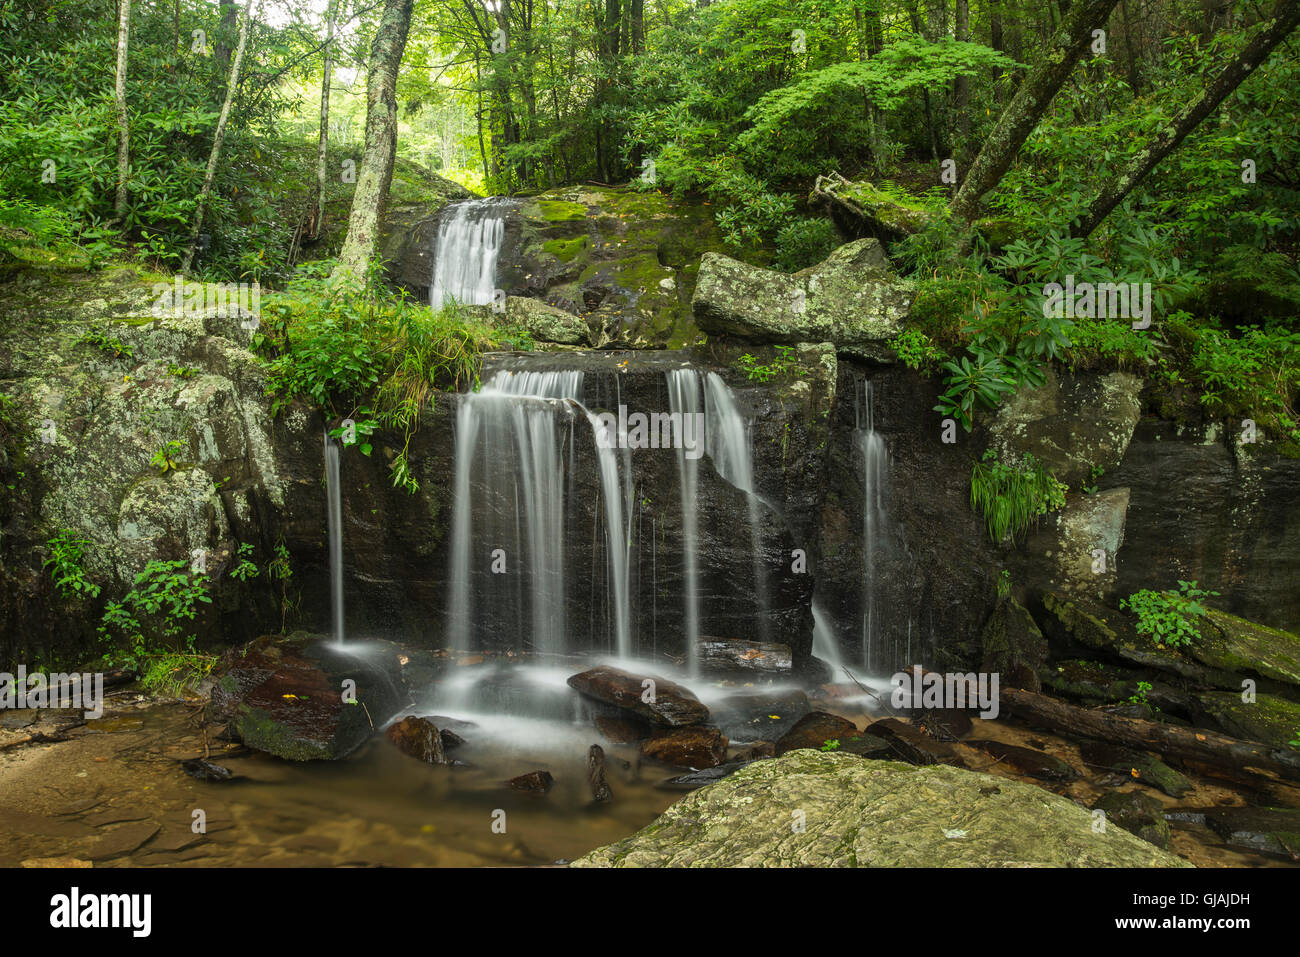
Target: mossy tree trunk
(119, 102)
(376, 172)
(1068, 43)
(1286, 17)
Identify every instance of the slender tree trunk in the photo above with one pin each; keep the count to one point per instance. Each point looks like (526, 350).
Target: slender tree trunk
(376, 172)
(317, 222)
(119, 102)
(1066, 46)
(1286, 16)
(961, 85)
(218, 137)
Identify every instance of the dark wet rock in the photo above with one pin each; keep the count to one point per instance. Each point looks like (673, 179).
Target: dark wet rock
(813, 730)
(284, 696)
(1090, 682)
(874, 814)
(760, 717)
(1268, 719)
(852, 299)
(538, 781)
(742, 655)
(913, 745)
(697, 779)
(206, 770)
(418, 738)
(1273, 830)
(1035, 764)
(450, 739)
(945, 724)
(670, 704)
(865, 746)
(694, 747)
(600, 791)
(1013, 646)
(1136, 765)
(622, 730)
(1137, 813)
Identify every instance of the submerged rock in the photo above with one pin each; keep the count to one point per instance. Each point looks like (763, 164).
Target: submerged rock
(697, 779)
(538, 781)
(600, 791)
(810, 809)
(1035, 764)
(1138, 814)
(852, 299)
(285, 696)
(1273, 830)
(419, 738)
(1139, 766)
(663, 703)
(913, 745)
(206, 770)
(693, 747)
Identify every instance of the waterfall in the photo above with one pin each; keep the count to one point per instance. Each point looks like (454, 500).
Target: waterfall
(727, 443)
(465, 252)
(826, 644)
(875, 464)
(334, 520)
(514, 450)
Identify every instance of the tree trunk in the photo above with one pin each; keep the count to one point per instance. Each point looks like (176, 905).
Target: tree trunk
(1285, 18)
(961, 84)
(1067, 45)
(119, 102)
(1227, 757)
(218, 137)
(376, 172)
(317, 221)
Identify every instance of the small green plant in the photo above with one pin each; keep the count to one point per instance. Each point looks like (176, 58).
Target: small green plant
(1295, 742)
(280, 569)
(164, 459)
(916, 350)
(1013, 499)
(115, 346)
(783, 363)
(1140, 696)
(245, 568)
(181, 372)
(1094, 477)
(1004, 583)
(149, 623)
(66, 552)
(1169, 617)
(830, 744)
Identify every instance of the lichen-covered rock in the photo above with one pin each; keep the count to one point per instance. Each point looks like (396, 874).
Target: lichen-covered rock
(809, 809)
(851, 299)
(1076, 550)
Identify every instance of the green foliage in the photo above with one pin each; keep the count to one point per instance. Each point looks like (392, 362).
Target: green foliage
(831, 744)
(150, 621)
(1140, 697)
(804, 242)
(917, 351)
(280, 569)
(164, 458)
(1011, 499)
(1169, 617)
(245, 568)
(67, 549)
(114, 346)
(1255, 373)
(781, 365)
(1004, 583)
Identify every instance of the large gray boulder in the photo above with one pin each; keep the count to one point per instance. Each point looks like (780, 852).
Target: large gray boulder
(862, 813)
(851, 299)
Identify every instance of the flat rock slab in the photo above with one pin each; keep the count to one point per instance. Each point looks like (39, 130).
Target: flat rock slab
(670, 704)
(859, 813)
(123, 840)
(745, 718)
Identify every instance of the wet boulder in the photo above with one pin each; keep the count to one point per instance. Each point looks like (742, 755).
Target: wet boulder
(746, 718)
(1013, 646)
(662, 702)
(912, 744)
(814, 730)
(419, 738)
(1272, 830)
(285, 696)
(1027, 761)
(693, 747)
(538, 782)
(1136, 765)
(1137, 813)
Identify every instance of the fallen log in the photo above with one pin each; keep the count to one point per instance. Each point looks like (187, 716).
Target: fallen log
(1212, 753)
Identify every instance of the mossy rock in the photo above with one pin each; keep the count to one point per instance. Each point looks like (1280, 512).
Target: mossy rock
(865, 813)
(1234, 644)
(1268, 719)
(1013, 646)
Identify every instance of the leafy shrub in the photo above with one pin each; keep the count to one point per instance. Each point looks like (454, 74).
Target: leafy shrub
(805, 242)
(67, 549)
(146, 628)
(1012, 499)
(917, 351)
(1169, 617)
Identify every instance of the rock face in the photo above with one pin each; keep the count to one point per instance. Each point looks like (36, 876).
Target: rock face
(668, 704)
(858, 813)
(285, 696)
(851, 299)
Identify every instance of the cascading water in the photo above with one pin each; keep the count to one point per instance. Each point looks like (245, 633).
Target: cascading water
(875, 464)
(465, 252)
(334, 520)
(727, 443)
(511, 469)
